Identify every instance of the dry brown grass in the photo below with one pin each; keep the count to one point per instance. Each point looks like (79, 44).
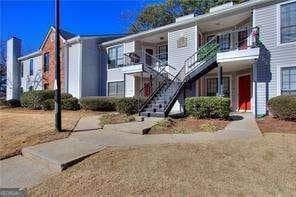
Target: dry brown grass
(21, 128)
(265, 166)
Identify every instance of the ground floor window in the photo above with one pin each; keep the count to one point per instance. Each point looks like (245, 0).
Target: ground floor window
(288, 76)
(116, 88)
(212, 86)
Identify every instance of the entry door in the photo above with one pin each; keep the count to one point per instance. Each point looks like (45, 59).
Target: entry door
(149, 56)
(244, 96)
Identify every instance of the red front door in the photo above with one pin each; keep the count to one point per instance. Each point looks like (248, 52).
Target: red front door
(244, 96)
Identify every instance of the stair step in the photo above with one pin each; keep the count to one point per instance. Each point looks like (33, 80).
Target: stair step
(152, 114)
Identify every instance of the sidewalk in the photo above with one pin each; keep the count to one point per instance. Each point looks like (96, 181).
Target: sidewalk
(43, 160)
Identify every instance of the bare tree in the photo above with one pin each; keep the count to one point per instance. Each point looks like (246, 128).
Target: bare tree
(3, 68)
(34, 81)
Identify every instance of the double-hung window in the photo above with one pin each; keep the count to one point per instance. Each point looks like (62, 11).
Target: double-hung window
(46, 62)
(288, 85)
(31, 66)
(116, 89)
(115, 57)
(212, 86)
(288, 22)
(22, 69)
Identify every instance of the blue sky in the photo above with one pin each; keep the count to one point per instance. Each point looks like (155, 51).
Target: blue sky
(30, 20)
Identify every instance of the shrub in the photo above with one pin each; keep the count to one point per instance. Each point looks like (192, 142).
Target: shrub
(13, 103)
(208, 107)
(34, 99)
(98, 103)
(129, 105)
(66, 96)
(48, 104)
(3, 102)
(70, 103)
(283, 107)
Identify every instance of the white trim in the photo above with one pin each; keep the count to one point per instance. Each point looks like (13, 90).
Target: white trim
(113, 46)
(48, 33)
(238, 8)
(237, 91)
(278, 23)
(80, 71)
(279, 77)
(107, 87)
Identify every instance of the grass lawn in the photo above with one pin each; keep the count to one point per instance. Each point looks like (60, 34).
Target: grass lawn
(115, 118)
(188, 125)
(269, 124)
(264, 166)
(21, 128)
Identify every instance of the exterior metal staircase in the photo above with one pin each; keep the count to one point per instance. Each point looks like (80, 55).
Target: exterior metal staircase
(163, 98)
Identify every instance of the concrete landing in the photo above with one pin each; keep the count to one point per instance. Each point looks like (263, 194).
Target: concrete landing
(60, 154)
(20, 172)
(88, 123)
(135, 127)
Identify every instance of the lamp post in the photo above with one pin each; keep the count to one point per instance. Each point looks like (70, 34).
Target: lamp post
(57, 82)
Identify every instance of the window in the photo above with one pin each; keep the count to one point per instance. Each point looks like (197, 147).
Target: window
(22, 90)
(116, 89)
(46, 62)
(31, 66)
(163, 52)
(224, 42)
(212, 86)
(288, 80)
(115, 57)
(288, 22)
(31, 88)
(22, 69)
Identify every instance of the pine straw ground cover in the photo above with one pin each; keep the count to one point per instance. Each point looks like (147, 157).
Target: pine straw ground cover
(187, 125)
(21, 127)
(265, 166)
(270, 124)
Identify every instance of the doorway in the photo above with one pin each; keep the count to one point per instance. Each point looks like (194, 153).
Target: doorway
(244, 92)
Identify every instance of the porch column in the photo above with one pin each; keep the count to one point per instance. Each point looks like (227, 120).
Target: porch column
(220, 80)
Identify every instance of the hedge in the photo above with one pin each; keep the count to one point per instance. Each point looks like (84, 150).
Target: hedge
(44, 99)
(98, 103)
(70, 104)
(48, 104)
(10, 103)
(283, 107)
(208, 107)
(129, 105)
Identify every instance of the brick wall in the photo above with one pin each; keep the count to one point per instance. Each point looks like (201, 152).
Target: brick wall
(49, 76)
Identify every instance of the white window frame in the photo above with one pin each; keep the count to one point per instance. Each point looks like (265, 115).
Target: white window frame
(115, 81)
(279, 77)
(278, 16)
(107, 50)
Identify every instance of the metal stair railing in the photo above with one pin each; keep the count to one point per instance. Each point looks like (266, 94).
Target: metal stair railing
(201, 56)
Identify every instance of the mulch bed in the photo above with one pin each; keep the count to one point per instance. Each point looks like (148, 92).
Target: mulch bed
(270, 124)
(188, 125)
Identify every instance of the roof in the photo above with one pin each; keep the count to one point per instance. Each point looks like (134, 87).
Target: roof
(193, 21)
(66, 35)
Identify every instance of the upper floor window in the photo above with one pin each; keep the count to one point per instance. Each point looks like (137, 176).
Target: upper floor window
(46, 62)
(163, 52)
(288, 80)
(22, 69)
(115, 57)
(288, 22)
(31, 66)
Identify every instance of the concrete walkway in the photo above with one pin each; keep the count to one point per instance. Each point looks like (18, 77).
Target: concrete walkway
(43, 160)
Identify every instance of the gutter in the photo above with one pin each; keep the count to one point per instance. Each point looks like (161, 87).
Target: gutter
(34, 54)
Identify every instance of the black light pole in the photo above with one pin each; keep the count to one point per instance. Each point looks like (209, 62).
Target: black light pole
(57, 83)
